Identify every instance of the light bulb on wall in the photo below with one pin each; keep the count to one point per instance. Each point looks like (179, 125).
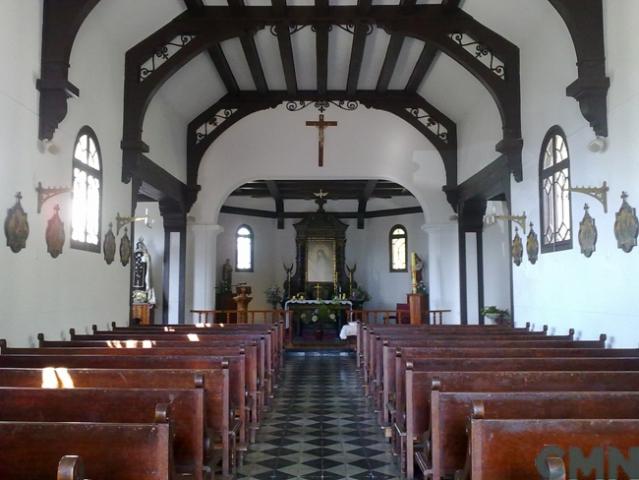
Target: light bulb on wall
(598, 145)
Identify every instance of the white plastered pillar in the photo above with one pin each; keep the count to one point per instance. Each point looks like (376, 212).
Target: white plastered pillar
(443, 269)
(203, 261)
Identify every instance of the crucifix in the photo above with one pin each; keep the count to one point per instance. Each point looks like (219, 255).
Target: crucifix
(321, 125)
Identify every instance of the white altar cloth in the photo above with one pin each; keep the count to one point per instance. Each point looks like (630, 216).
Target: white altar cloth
(348, 330)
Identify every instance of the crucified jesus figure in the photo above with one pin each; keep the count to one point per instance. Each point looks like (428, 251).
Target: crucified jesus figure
(321, 125)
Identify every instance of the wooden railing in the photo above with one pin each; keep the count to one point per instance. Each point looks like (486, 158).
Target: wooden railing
(385, 317)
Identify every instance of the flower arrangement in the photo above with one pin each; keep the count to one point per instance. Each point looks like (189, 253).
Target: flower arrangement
(422, 287)
(359, 295)
(501, 317)
(274, 295)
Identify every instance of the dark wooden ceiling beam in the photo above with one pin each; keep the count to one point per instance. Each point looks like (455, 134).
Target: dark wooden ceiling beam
(395, 45)
(357, 50)
(369, 188)
(321, 49)
(286, 48)
(252, 212)
(274, 191)
(250, 51)
(217, 55)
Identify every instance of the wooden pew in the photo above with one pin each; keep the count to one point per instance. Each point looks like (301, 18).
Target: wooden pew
(111, 405)
(71, 467)
(419, 386)
(181, 349)
(32, 450)
(215, 383)
(450, 412)
(512, 449)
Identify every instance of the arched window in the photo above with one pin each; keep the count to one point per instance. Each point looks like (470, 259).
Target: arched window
(397, 246)
(87, 192)
(554, 187)
(244, 249)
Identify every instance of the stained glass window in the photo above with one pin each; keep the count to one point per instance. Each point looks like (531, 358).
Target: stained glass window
(554, 186)
(397, 244)
(87, 192)
(244, 249)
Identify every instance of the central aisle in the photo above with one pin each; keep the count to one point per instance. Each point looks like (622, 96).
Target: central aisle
(320, 426)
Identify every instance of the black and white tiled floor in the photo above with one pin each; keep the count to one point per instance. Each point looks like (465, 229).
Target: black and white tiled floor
(320, 426)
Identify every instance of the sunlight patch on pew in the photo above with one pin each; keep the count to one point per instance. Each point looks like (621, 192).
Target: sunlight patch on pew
(64, 377)
(193, 337)
(49, 378)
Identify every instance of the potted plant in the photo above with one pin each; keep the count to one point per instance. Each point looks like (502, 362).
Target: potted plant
(274, 296)
(499, 316)
(358, 297)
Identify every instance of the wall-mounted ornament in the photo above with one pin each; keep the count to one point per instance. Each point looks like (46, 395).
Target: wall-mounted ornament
(109, 245)
(45, 193)
(532, 245)
(518, 219)
(626, 226)
(517, 248)
(587, 233)
(16, 226)
(120, 222)
(54, 234)
(598, 193)
(125, 248)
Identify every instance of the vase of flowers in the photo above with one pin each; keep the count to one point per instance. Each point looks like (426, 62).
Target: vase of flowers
(274, 296)
(358, 297)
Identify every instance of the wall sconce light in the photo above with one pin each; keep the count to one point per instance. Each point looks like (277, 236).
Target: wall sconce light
(518, 219)
(598, 193)
(45, 193)
(122, 221)
(598, 145)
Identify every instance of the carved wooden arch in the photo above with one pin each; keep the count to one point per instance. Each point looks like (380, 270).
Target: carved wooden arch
(432, 23)
(60, 25)
(414, 109)
(584, 19)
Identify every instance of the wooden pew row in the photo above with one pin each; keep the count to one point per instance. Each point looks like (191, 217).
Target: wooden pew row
(393, 377)
(228, 421)
(32, 450)
(214, 383)
(365, 330)
(373, 350)
(112, 405)
(451, 412)
(71, 467)
(527, 438)
(254, 401)
(270, 373)
(419, 388)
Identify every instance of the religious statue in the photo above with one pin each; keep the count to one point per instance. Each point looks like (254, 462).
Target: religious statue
(227, 276)
(142, 290)
(287, 283)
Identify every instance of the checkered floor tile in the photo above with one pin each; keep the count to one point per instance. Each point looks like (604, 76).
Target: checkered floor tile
(320, 427)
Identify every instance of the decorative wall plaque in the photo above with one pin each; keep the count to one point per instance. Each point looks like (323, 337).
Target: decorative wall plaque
(587, 234)
(626, 226)
(16, 226)
(125, 248)
(55, 233)
(517, 248)
(109, 245)
(532, 245)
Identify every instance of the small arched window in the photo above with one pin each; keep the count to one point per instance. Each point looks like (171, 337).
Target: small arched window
(86, 218)
(554, 187)
(397, 241)
(244, 249)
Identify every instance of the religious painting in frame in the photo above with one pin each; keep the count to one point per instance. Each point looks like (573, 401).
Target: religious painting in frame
(517, 249)
(320, 260)
(587, 234)
(109, 246)
(532, 246)
(626, 226)
(54, 234)
(16, 226)
(125, 248)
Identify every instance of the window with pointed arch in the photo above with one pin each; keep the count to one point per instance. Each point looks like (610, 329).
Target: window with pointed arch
(244, 249)
(397, 242)
(86, 218)
(554, 188)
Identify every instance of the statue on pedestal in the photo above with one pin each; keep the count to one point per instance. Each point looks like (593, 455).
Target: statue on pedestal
(142, 290)
(227, 276)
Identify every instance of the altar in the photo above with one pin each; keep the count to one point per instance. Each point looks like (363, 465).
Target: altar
(316, 319)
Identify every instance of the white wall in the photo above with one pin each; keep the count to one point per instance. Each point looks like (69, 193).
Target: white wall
(565, 289)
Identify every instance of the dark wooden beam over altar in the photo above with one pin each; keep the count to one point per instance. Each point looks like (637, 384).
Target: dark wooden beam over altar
(363, 200)
(357, 50)
(395, 45)
(274, 191)
(286, 49)
(253, 212)
(321, 49)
